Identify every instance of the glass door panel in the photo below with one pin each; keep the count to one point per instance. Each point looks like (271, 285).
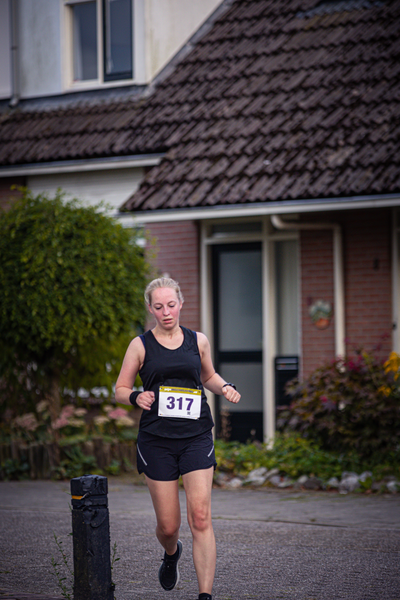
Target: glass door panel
(237, 279)
(287, 297)
(239, 303)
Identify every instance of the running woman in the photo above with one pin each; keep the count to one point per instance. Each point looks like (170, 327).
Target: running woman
(175, 431)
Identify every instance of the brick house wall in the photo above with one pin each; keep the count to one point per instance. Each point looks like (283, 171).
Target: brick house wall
(367, 279)
(367, 282)
(316, 268)
(7, 195)
(174, 249)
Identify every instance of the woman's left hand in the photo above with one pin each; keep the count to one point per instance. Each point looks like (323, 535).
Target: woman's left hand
(231, 394)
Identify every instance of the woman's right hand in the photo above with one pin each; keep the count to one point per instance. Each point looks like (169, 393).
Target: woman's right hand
(145, 400)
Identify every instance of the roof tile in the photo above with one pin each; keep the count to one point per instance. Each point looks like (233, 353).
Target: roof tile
(237, 167)
(199, 194)
(270, 104)
(178, 198)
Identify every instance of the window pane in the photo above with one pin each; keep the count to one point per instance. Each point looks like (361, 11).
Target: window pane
(248, 378)
(240, 308)
(286, 256)
(85, 41)
(118, 38)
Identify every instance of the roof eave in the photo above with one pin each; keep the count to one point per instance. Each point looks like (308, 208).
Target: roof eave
(80, 165)
(130, 219)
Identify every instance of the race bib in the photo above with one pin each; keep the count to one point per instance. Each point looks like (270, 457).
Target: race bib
(179, 402)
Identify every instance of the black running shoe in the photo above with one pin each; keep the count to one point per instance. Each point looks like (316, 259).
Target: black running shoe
(168, 573)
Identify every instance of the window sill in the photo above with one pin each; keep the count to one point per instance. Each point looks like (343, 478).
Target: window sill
(95, 84)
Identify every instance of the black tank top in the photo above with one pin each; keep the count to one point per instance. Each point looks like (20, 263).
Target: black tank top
(178, 368)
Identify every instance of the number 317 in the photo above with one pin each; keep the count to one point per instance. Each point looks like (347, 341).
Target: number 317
(172, 400)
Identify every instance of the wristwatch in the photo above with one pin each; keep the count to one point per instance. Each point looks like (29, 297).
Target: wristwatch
(231, 384)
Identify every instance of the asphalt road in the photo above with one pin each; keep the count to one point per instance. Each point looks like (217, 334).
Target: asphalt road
(271, 544)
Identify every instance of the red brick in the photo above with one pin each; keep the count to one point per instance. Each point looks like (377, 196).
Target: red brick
(7, 195)
(368, 305)
(177, 247)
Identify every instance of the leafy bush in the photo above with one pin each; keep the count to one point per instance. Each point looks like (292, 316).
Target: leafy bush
(11, 468)
(72, 282)
(349, 406)
(76, 465)
(291, 454)
(294, 455)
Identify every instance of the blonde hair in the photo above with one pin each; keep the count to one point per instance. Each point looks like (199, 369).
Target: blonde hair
(162, 282)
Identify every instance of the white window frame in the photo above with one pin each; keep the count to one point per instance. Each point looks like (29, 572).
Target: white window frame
(267, 236)
(138, 48)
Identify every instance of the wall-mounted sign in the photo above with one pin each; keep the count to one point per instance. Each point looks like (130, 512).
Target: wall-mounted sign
(321, 314)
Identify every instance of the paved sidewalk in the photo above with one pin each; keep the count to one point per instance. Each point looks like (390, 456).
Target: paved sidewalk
(271, 544)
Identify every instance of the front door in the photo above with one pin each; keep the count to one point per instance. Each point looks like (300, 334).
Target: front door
(237, 295)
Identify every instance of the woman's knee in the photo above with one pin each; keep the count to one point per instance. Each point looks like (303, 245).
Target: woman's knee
(200, 519)
(168, 530)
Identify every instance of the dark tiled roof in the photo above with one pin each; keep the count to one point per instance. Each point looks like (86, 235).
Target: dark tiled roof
(280, 100)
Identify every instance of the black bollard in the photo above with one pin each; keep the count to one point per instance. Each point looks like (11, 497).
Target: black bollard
(91, 538)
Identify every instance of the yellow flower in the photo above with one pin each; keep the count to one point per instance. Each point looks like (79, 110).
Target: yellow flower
(392, 365)
(385, 390)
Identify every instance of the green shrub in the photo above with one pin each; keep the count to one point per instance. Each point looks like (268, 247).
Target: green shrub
(11, 468)
(290, 453)
(114, 468)
(348, 406)
(294, 455)
(76, 465)
(72, 282)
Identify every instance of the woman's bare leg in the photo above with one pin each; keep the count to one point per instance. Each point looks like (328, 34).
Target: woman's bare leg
(198, 486)
(165, 497)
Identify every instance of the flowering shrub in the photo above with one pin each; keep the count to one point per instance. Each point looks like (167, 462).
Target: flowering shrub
(115, 422)
(392, 366)
(71, 420)
(79, 441)
(31, 426)
(350, 405)
(73, 424)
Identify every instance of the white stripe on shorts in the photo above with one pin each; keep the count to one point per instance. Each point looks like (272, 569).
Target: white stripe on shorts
(141, 456)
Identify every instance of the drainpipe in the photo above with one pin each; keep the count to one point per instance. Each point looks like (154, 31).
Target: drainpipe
(15, 92)
(338, 276)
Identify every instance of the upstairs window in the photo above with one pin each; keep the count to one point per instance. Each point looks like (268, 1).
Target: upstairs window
(117, 39)
(84, 40)
(101, 40)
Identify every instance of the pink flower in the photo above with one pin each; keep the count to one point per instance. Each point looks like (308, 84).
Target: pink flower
(68, 411)
(118, 413)
(60, 422)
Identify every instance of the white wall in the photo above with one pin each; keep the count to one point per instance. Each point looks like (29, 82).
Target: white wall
(5, 52)
(161, 28)
(114, 186)
(169, 25)
(39, 47)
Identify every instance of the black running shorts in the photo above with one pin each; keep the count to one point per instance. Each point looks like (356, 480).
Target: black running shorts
(165, 459)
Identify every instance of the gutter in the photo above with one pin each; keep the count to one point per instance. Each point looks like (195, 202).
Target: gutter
(132, 218)
(15, 91)
(81, 165)
(338, 275)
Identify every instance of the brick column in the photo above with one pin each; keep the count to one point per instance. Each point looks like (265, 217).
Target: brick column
(176, 249)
